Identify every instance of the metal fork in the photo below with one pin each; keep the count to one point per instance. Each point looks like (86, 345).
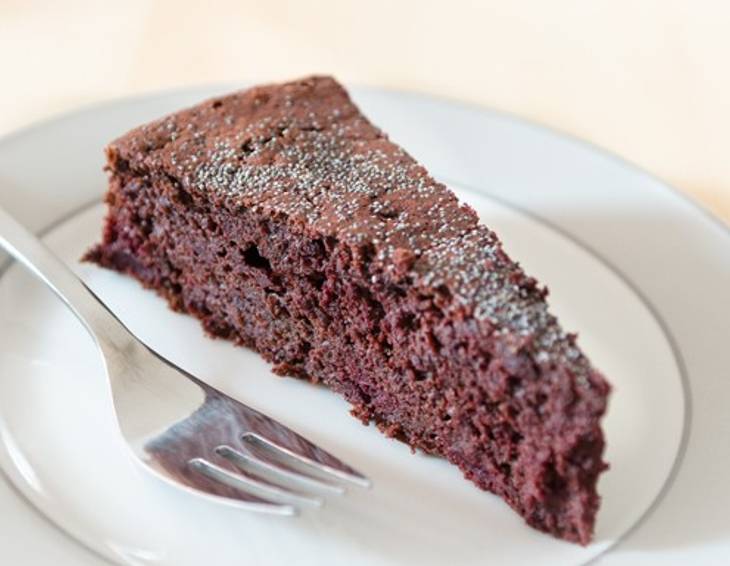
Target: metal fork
(184, 431)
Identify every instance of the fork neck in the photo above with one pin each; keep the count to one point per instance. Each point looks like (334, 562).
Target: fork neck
(28, 250)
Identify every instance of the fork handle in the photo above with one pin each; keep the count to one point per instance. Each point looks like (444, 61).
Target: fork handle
(27, 249)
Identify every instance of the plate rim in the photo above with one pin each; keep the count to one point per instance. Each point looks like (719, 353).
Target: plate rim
(207, 89)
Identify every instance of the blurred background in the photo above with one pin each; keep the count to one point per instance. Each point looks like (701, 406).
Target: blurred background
(648, 80)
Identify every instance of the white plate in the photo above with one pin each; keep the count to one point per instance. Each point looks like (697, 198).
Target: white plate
(641, 273)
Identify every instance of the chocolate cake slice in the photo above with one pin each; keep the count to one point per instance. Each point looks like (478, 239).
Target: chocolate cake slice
(286, 222)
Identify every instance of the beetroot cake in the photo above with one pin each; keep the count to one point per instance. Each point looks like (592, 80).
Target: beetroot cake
(286, 222)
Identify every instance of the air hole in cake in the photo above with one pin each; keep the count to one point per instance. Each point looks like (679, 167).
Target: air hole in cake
(553, 481)
(433, 342)
(253, 258)
(122, 165)
(171, 180)
(376, 308)
(318, 248)
(419, 375)
(330, 243)
(424, 299)
(407, 321)
(513, 384)
(217, 104)
(317, 280)
(387, 213)
(396, 291)
(443, 291)
(366, 252)
(183, 197)
(247, 147)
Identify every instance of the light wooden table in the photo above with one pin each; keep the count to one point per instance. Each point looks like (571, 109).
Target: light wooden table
(648, 80)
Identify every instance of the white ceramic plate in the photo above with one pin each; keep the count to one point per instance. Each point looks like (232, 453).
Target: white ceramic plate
(643, 276)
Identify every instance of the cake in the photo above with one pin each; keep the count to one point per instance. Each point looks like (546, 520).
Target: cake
(286, 222)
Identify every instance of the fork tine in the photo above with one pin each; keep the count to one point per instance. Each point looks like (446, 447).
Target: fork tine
(342, 472)
(253, 463)
(239, 481)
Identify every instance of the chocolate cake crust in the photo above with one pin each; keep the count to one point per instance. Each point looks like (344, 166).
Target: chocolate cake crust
(286, 222)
